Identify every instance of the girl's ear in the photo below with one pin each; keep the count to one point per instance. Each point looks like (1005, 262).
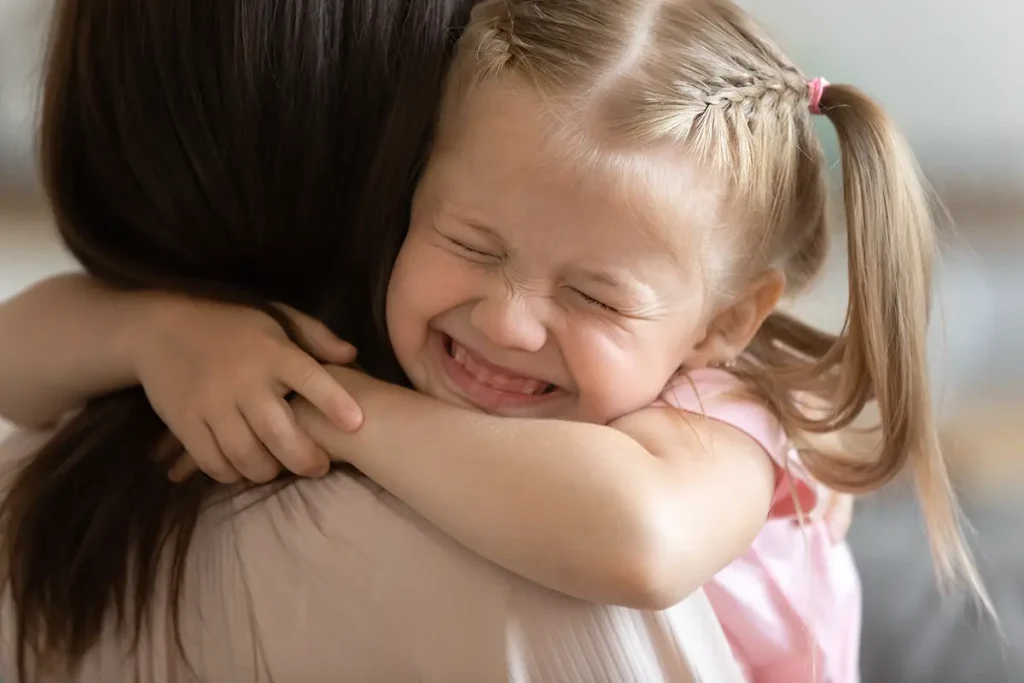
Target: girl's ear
(732, 328)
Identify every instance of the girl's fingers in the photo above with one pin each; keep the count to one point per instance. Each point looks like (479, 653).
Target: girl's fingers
(319, 339)
(203, 447)
(243, 450)
(311, 380)
(183, 468)
(272, 420)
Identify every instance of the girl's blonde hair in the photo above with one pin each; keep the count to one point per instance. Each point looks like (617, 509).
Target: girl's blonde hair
(701, 75)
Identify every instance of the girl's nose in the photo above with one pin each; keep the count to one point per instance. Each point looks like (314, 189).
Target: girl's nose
(510, 321)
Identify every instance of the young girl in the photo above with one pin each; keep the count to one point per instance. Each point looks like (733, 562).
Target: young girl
(619, 195)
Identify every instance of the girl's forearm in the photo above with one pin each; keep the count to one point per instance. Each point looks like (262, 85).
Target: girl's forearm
(62, 342)
(576, 507)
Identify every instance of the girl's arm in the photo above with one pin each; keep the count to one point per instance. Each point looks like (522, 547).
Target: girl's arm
(62, 342)
(216, 374)
(639, 514)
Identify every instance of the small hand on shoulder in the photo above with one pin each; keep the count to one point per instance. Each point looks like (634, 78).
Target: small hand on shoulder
(219, 376)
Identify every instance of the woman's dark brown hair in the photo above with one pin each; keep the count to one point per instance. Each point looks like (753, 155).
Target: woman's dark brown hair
(246, 150)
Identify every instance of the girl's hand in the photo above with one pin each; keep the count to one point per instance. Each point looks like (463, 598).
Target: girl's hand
(218, 375)
(338, 445)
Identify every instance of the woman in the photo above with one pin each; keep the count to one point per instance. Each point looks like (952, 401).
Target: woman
(257, 151)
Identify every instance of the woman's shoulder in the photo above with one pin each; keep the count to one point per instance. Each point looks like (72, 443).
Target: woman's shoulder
(16, 443)
(328, 574)
(334, 574)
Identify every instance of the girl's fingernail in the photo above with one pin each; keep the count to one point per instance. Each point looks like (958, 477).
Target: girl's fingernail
(352, 420)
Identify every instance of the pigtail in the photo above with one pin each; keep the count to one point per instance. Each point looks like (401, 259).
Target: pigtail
(882, 351)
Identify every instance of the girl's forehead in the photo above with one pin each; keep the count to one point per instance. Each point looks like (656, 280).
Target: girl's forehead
(506, 133)
(518, 163)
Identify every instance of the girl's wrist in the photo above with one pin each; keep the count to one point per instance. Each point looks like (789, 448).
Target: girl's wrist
(146, 318)
(385, 408)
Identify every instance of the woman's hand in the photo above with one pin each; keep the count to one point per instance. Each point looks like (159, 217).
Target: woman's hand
(218, 375)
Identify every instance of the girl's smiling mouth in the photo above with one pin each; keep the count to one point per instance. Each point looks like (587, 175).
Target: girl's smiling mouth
(491, 386)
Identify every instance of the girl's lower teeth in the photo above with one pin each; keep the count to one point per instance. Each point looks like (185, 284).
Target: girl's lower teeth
(459, 355)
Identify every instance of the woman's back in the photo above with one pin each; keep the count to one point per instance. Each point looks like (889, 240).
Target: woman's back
(330, 579)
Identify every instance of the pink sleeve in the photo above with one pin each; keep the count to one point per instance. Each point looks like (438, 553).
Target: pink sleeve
(717, 395)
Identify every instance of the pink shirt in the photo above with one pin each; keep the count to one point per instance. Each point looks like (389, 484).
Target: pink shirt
(791, 605)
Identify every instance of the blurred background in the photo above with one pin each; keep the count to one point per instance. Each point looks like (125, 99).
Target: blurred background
(949, 74)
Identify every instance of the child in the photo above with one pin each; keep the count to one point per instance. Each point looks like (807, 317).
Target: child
(619, 195)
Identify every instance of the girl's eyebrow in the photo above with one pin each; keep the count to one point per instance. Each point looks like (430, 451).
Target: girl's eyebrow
(636, 288)
(602, 277)
(474, 223)
(480, 227)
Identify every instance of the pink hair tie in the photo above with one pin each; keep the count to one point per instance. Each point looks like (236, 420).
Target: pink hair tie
(817, 89)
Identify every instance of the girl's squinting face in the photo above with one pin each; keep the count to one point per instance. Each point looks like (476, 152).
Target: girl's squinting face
(528, 287)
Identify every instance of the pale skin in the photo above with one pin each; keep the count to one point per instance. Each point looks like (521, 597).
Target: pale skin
(589, 510)
(591, 490)
(492, 471)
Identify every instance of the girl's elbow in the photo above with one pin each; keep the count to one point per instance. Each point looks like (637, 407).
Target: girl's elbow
(652, 583)
(653, 572)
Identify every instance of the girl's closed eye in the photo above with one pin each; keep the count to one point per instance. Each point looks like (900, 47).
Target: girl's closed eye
(471, 250)
(594, 302)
